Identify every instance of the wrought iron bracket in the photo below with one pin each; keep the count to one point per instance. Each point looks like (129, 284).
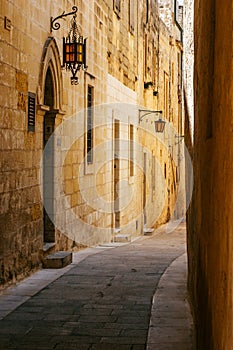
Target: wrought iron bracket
(54, 25)
(146, 112)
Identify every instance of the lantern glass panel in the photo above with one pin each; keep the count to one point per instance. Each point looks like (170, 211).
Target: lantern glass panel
(79, 53)
(70, 53)
(159, 125)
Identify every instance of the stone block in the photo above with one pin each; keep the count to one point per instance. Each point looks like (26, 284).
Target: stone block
(58, 260)
(148, 231)
(122, 238)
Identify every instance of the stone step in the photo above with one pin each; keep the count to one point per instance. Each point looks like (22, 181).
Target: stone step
(57, 260)
(148, 231)
(48, 248)
(122, 238)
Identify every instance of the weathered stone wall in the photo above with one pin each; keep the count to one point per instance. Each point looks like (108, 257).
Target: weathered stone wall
(188, 61)
(21, 208)
(26, 51)
(166, 11)
(128, 54)
(79, 215)
(170, 101)
(210, 229)
(153, 49)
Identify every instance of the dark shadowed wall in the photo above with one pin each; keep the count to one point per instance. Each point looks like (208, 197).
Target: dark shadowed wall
(210, 223)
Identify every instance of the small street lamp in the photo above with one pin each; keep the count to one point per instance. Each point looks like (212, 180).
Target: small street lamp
(180, 138)
(74, 46)
(159, 124)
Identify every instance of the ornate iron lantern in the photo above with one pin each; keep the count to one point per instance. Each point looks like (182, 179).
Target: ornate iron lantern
(74, 46)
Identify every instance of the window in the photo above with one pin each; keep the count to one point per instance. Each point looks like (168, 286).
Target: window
(177, 175)
(131, 150)
(131, 16)
(90, 103)
(145, 55)
(165, 170)
(172, 72)
(179, 76)
(116, 173)
(117, 7)
(166, 96)
(147, 11)
(155, 65)
(153, 174)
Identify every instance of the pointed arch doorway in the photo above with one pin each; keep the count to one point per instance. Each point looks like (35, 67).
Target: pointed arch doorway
(48, 159)
(50, 108)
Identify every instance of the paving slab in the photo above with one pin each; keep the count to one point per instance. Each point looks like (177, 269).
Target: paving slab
(102, 300)
(171, 324)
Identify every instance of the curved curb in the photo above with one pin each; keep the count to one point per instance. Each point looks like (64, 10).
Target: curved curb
(171, 325)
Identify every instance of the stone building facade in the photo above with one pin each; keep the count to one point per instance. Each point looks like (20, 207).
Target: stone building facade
(210, 226)
(188, 63)
(81, 163)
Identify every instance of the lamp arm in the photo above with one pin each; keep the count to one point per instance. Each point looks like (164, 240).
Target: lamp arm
(146, 113)
(56, 26)
(142, 116)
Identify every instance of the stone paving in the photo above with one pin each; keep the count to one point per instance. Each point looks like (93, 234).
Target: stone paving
(104, 300)
(171, 325)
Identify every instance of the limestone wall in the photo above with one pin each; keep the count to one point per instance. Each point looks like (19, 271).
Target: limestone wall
(210, 221)
(188, 63)
(21, 208)
(27, 49)
(129, 54)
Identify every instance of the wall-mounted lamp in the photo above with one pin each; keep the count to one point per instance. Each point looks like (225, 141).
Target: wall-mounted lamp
(74, 46)
(180, 138)
(159, 124)
(148, 84)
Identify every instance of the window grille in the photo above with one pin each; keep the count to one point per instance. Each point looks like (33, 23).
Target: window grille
(31, 111)
(90, 103)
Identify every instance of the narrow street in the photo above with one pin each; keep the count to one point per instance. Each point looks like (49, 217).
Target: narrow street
(104, 300)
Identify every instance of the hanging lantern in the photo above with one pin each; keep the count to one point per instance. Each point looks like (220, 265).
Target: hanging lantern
(74, 51)
(159, 125)
(74, 46)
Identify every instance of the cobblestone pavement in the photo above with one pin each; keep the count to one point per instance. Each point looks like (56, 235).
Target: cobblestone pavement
(102, 302)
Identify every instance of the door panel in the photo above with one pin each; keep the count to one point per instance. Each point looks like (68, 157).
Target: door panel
(48, 177)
